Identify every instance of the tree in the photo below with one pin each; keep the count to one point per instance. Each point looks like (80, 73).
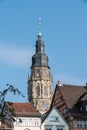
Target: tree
(6, 112)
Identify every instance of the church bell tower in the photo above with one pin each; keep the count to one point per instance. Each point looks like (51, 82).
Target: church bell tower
(40, 79)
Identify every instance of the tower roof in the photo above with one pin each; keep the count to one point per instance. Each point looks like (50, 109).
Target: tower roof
(40, 58)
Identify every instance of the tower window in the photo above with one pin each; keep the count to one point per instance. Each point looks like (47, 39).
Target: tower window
(37, 72)
(38, 90)
(45, 91)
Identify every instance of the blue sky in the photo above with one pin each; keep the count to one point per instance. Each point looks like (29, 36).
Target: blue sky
(64, 29)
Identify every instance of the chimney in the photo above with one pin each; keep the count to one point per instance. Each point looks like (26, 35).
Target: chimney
(60, 83)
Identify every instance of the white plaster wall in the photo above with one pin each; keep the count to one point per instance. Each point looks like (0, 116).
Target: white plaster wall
(61, 121)
(26, 126)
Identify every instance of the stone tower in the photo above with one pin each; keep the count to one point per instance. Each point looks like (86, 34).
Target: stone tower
(40, 80)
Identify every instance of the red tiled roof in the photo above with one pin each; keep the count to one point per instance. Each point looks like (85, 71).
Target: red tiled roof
(24, 109)
(71, 93)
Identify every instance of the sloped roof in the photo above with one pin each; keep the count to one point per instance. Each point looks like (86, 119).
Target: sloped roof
(71, 93)
(24, 109)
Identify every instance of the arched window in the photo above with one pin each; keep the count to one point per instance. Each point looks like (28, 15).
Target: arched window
(38, 90)
(45, 91)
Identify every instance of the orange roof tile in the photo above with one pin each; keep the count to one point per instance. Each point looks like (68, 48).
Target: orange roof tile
(24, 109)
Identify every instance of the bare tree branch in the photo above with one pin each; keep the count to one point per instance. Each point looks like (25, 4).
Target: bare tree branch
(6, 112)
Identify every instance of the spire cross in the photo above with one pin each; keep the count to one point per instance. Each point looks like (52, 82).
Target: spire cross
(39, 24)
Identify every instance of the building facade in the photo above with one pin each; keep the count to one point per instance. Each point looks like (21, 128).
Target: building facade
(40, 79)
(26, 117)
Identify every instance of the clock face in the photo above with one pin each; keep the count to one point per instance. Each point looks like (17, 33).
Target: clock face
(46, 105)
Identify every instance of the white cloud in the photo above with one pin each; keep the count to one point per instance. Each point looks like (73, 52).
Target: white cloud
(15, 56)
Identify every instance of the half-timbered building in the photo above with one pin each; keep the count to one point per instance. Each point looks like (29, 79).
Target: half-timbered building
(71, 101)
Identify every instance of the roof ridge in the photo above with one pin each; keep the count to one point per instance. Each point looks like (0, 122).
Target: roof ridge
(73, 85)
(23, 102)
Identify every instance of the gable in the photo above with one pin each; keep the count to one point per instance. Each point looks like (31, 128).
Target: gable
(55, 117)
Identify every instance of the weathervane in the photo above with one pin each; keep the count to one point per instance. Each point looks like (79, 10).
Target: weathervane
(39, 24)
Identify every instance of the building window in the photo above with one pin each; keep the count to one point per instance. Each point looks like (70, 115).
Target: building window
(48, 127)
(82, 124)
(17, 122)
(54, 118)
(29, 122)
(36, 122)
(59, 128)
(23, 122)
(20, 122)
